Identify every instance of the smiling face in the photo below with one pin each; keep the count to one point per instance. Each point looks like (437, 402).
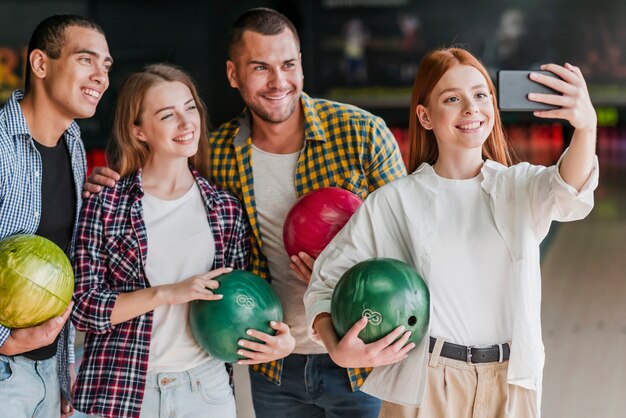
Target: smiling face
(169, 122)
(267, 71)
(75, 81)
(460, 110)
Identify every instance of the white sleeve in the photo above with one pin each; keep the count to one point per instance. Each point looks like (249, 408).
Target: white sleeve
(552, 199)
(360, 239)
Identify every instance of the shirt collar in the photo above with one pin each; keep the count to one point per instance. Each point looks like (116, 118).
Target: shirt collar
(489, 170)
(209, 192)
(14, 113)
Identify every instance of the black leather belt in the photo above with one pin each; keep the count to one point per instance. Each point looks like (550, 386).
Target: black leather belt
(473, 354)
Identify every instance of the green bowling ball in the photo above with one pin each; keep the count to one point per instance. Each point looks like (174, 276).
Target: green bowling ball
(36, 281)
(388, 292)
(249, 302)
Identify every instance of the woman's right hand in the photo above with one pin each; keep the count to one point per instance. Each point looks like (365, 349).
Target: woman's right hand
(352, 352)
(197, 287)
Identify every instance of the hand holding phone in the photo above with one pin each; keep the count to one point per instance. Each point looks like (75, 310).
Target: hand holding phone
(514, 87)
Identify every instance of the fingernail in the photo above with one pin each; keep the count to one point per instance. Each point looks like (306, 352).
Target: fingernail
(294, 258)
(408, 333)
(402, 327)
(272, 322)
(240, 352)
(249, 332)
(229, 268)
(241, 343)
(532, 96)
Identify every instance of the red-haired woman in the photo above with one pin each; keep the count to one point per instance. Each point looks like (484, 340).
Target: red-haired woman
(470, 221)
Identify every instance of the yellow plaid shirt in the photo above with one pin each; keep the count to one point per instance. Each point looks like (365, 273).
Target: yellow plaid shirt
(344, 147)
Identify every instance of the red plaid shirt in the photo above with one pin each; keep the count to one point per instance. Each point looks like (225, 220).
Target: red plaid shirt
(111, 248)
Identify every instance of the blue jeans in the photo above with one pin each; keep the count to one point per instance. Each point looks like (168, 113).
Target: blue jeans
(29, 388)
(312, 386)
(203, 391)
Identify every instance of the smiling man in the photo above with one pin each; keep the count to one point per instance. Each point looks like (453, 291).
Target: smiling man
(284, 145)
(42, 171)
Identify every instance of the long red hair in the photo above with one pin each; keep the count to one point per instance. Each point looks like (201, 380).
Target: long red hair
(423, 145)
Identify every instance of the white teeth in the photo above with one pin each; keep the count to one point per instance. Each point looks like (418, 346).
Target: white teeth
(184, 138)
(276, 97)
(470, 126)
(90, 92)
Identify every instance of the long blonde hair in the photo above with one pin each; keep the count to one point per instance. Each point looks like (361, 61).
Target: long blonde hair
(125, 153)
(423, 145)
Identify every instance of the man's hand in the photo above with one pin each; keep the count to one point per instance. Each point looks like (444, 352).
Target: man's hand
(100, 176)
(302, 264)
(67, 409)
(275, 347)
(23, 340)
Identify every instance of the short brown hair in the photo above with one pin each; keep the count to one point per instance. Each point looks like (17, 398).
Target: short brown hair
(125, 153)
(260, 20)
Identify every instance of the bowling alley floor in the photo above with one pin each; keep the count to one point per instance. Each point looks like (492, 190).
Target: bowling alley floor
(584, 308)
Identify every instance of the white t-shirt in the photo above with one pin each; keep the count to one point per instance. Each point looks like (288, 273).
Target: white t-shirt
(275, 194)
(471, 278)
(180, 245)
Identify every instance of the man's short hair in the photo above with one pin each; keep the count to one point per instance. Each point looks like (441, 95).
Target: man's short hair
(260, 20)
(49, 36)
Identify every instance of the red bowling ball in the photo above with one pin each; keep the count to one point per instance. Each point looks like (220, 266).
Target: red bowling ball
(316, 218)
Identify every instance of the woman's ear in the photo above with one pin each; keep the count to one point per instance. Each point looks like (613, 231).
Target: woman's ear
(423, 117)
(138, 134)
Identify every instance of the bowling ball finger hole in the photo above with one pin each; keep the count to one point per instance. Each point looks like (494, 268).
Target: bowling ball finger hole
(412, 321)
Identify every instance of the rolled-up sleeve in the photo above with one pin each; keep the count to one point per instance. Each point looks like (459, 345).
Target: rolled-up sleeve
(552, 199)
(93, 298)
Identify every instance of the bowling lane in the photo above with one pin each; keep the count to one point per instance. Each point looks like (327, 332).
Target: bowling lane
(584, 305)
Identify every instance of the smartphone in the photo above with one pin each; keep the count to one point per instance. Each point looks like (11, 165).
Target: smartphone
(513, 89)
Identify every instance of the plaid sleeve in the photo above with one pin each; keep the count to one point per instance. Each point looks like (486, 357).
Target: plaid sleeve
(4, 334)
(237, 236)
(93, 300)
(385, 161)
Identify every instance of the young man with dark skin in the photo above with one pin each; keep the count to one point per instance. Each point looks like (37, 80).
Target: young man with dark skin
(42, 171)
(284, 145)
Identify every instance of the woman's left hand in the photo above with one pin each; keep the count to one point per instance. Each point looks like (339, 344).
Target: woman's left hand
(575, 104)
(273, 347)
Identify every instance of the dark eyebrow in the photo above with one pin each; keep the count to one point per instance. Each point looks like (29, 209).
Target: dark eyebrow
(93, 54)
(477, 86)
(257, 62)
(172, 107)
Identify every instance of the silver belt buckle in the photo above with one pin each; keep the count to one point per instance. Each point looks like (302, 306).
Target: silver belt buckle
(469, 354)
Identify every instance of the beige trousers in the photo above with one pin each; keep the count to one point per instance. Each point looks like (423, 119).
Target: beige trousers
(456, 389)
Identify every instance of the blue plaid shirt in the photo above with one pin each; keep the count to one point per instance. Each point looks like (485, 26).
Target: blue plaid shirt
(20, 184)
